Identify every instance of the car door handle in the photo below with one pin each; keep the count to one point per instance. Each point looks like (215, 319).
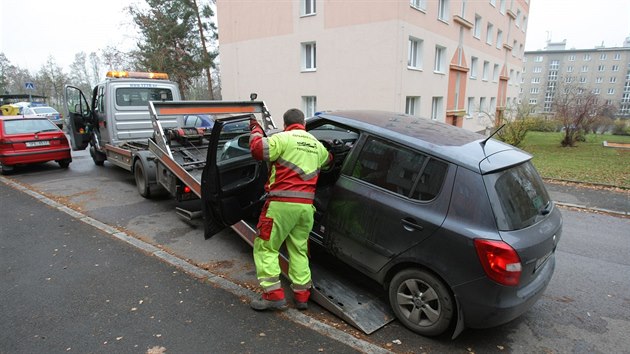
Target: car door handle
(411, 225)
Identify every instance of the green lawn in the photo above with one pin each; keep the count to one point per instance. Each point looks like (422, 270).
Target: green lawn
(589, 161)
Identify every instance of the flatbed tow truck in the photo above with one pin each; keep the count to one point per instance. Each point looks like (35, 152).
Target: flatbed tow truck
(204, 161)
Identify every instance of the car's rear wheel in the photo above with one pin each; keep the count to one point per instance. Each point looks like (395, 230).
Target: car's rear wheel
(421, 302)
(64, 163)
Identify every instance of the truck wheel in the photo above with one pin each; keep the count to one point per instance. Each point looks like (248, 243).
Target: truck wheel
(97, 156)
(142, 180)
(421, 302)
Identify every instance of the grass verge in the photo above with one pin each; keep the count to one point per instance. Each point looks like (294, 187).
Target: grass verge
(588, 161)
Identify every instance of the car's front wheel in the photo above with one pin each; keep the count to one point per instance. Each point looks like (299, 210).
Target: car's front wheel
(64, 163)
(421, 302)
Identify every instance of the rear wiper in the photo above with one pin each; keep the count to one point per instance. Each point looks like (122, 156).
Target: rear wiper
(45, 130)
(546, 209)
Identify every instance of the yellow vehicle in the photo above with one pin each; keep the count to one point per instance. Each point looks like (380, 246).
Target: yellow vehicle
(10, 110)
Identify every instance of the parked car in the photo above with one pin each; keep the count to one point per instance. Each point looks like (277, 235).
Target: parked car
(31, 139)
(45, 111)
(457, 227)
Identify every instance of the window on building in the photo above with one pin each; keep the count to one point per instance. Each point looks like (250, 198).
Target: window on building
(568, 79)
(538, 59)
(482, 104)
(436, 108)
(419, 4)
(493, 104)
(486, 69)
(495, 73)
(611, 91)
(493, 3)
(440, 59)
(613, 79)
(584, 68)
(615, 68)
(571, 57)
(524, 28)
(309, 105)
(570, 68)
(489, 33)
(414, 59)
(518, 18)
(599, 80)
(477, 30)
(532, 101)
(533, 90)
(587, 57)
(308, 7)
(535, 80)
(596, 91)
(500, 39)
(617, 56)
(309, 56)
(470, 107)
(582, 79)
(603, 56)
(537, 69)
(412, 105)
(502, 7)
(601, 67)
(474, 62)
(443, 10)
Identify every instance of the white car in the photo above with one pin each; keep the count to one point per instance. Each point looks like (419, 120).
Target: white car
(45, 111)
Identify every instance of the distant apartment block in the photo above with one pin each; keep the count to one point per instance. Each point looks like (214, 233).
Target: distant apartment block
(455, 61)
(603, 71)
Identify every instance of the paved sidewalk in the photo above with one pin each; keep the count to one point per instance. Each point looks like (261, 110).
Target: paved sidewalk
(615, 201)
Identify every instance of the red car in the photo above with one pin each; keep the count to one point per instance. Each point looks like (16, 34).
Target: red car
(31, 139)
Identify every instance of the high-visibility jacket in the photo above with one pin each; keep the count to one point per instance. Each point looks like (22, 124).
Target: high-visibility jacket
(296, 157)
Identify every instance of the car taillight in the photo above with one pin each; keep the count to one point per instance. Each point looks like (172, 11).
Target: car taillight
(500, 261)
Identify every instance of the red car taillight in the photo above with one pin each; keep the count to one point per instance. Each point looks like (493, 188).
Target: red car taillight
(500, 261)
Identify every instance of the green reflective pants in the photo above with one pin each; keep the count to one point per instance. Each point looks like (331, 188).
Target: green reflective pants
(283, 222)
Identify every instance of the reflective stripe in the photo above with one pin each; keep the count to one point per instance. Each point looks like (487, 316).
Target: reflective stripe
(292, 194)
(270, 279)
(301, 287)
(265, 149)
(295, 168)
(272, 287)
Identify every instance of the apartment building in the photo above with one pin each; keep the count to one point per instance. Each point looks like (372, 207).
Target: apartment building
(455, 61)
(603, 71)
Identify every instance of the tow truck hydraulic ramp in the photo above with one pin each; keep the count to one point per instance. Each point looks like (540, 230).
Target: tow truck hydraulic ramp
(216, 165)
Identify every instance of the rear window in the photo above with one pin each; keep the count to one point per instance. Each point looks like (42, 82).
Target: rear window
(518, 196)
(27, 126)
(140, 96)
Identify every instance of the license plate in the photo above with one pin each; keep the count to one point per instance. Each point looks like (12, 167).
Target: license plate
(37, 143)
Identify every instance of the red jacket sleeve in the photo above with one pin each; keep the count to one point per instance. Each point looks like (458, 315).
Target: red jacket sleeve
(256, 142)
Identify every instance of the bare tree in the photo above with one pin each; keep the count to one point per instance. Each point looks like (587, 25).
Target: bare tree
(576, 109)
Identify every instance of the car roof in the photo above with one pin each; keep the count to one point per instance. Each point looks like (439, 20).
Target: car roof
(447, 142)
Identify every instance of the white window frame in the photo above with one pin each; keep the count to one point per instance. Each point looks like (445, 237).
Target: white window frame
(615, 68)
(599, 80)
(587, 57)
(436, 107)
(309, 56)
(617, 56)
(412, 105)
(309, 105)
(440, 59)
(611, 91)
(538, 59)
(478, 23)
(486, 70)
(414, 55)
(470, 107)
(499, 38)
(603, 56)
(613, 79)
(443, 10)
(489, 33)
(308, 8)
(495, 73)
(418, 4)
(474, 62)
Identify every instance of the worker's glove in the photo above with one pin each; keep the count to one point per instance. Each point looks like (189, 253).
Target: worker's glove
(253, 123)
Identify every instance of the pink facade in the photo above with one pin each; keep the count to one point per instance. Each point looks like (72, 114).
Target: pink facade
(429, 58)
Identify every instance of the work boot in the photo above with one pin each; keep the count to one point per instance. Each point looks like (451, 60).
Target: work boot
(301, 305)
(263, 304)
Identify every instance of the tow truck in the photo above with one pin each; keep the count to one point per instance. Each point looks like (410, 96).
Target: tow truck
(198, 149)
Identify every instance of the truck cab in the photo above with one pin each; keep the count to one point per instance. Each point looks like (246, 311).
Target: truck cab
(115, 122)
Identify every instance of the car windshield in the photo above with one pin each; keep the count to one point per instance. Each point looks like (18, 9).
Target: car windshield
(518, 196)
(140, 96)
(26, 126)
(42, 110)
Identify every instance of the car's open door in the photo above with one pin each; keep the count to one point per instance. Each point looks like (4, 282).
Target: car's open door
(232, 183)
(79, 117)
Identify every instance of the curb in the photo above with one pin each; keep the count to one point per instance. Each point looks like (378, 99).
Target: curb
(601, 210)
(582, 183)
(292, 314)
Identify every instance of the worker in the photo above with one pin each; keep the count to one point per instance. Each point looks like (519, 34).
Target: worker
(295, 158)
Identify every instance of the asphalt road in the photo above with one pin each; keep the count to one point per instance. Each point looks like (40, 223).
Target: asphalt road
(585, 309)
